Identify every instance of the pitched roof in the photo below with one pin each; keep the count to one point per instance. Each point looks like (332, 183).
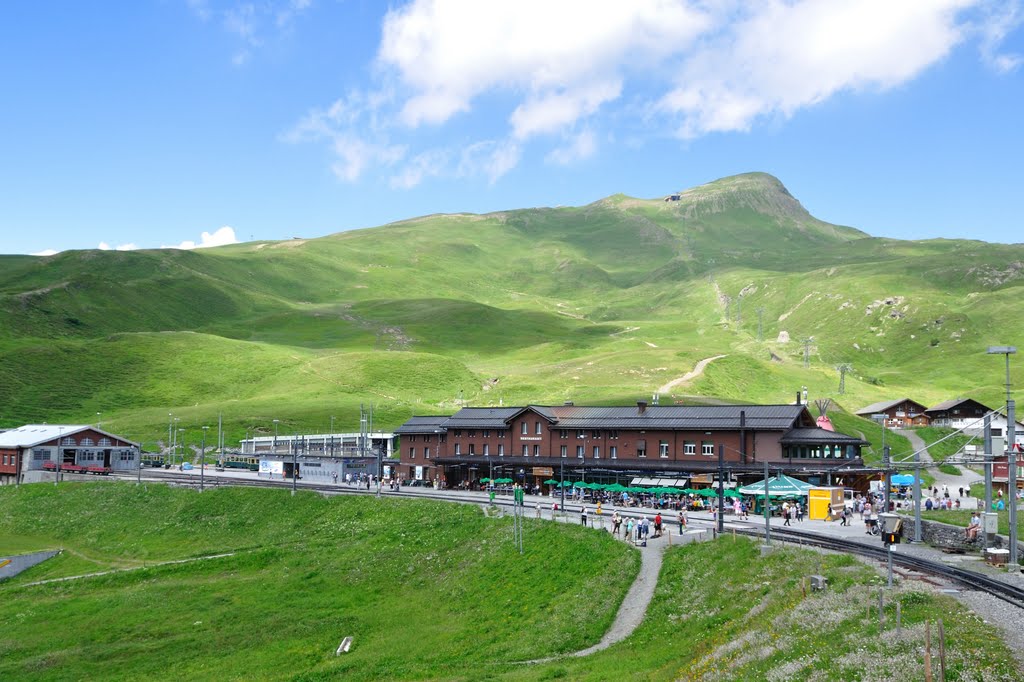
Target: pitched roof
(950, 404)
(884, 405)
(677, 417)
(817, 436)
(30, 435)
(423, 425)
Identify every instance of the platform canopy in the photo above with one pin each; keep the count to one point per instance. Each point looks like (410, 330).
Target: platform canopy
(778, 486)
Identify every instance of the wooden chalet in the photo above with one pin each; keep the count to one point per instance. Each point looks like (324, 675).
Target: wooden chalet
(899, 414)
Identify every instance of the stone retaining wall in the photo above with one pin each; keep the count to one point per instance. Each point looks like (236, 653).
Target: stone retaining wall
(940, 534)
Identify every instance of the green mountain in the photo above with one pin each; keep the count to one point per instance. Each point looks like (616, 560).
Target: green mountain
(601, 303)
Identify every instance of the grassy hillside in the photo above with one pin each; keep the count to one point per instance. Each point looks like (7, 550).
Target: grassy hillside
(427, 590)
(599, 303)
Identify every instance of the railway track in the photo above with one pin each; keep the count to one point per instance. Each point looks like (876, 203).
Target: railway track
(1007, 592)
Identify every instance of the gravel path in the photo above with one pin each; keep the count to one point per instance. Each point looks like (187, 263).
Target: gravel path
(697, 370)
(966, 479)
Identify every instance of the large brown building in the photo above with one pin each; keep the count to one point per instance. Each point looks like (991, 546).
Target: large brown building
(605, 444)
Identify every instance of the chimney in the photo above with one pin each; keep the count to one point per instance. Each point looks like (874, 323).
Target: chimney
(798, 398)
(641, 406)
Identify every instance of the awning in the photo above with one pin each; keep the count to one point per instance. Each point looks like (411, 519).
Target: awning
(652, 482)
(778, 485)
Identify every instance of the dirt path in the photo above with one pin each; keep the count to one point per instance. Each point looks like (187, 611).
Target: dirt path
(122, 570)
(966, 479)
(697, 370)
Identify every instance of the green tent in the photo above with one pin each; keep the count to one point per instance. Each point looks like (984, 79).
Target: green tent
(550, 481)
(485, 480)
(707, 492)
(778, 486)
(732, 493)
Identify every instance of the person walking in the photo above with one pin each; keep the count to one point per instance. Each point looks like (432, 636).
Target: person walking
(682, 521)
(583, 515)
(629, 529)
(657, 525)
(785, 514)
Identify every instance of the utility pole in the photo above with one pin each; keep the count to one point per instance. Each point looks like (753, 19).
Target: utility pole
(807, 351)
(721, 488)
(760, 323)
(295, 462)
(202, 462)
(843, 369)
(1011, 457)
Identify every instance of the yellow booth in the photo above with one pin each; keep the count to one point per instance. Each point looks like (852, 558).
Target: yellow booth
(824, 503)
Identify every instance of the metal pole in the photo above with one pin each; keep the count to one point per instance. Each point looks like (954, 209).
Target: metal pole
(169, 416)
(60, 454)
(721, 488)
(917, 498)
(1011, 462)
(561, 482)
(888, 477)
(202, 462)
(888, 554)
(767, 508)
(295, 464)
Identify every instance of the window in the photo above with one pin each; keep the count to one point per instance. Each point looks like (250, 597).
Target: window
(536, 428)
(581, 434)
(526, 450)
(523, 428)
(412, 453)
(443, 438)
(105, 443)
(457, 433)
(641, 448)
(471, 433)
(40, 455)
(426, 453)
(597, 452)
(127, 456)
(689, 448)
(87, 442)
(458, 449)
(5, 460)
(487, 449)
(501, 433)
(613, 452)
(595, 434)
(613, 434)
(485, 433)
(536, 451)
(563, 433)
(663, 449)
(472, 449)
(707, 448)
(579, 451)
(564, 450)
(501, 449)
(68, 440)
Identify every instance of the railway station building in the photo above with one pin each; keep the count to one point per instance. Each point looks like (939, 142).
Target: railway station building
(322, 458)
(38, 452)
(536, 443)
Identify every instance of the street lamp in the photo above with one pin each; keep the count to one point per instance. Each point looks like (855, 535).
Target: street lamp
(1011, 458)
(179, 438)
(98, 421)
(880, 418)
(170, 416)
(202, 462)
(332, 435)
(295, 464)
(276, 422)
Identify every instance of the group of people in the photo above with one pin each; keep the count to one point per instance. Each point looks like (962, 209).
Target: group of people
(792, 511)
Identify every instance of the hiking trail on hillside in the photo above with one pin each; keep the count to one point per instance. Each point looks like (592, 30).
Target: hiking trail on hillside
(697, 370)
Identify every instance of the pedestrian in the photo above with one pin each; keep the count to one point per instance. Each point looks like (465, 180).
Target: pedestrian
(682, 521)
(583, 516)
(538, 510)
(629, 529)
(961, 491)
(335, 474)
(657, 525)
(616, 523)
(799, 512)
(785, 514)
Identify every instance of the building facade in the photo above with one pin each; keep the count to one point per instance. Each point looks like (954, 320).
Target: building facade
(34, 452)
(611, 444)
(899, 414)
(322, 458)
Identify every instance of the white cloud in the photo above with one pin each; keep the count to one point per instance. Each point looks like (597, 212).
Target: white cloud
(448, 52)
(536, 72)
(103, 246)
(785, 56)
(222, 237)
(45, 252)
(251, 25)
(581, 147)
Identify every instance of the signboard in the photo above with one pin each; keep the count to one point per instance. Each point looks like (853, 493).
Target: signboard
(270, 466)
(543, 471)
(419, 473)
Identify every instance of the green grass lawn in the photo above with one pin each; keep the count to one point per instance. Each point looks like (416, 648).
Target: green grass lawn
(428, 590)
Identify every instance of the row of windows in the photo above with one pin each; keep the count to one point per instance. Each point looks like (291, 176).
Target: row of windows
(86, 442)
(689, 448)
(471, 433)
(826, 452)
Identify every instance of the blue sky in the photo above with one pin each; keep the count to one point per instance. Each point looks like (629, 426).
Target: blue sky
(183, 122)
